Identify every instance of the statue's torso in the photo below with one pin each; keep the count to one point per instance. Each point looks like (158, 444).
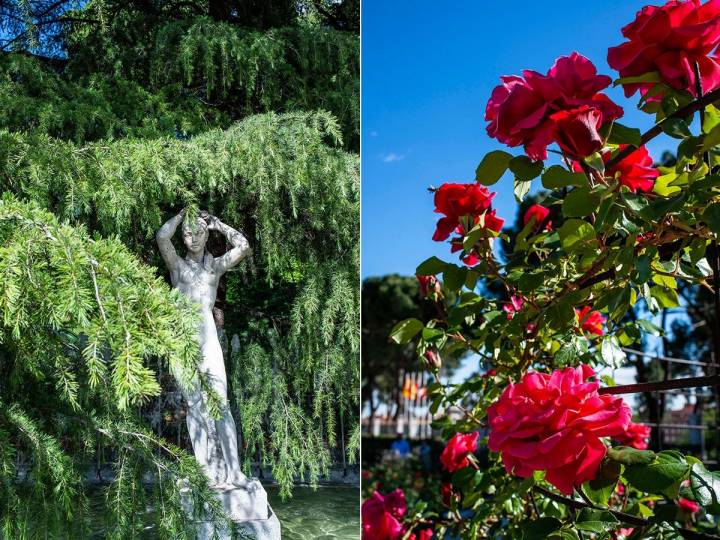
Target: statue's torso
(198, 283)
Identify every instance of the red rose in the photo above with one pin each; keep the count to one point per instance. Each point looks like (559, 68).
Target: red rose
(519, 109)
(381, 515)
(686, 505)
(427, 284)
(425, 534)
(590, 321)
(670, 40)
(539, 213)
(554, 423)
(637, 436)
(636, 171)
(515, 305)
(456, 201)
(579, 84)
(576, 130)
(492, 222)
(454, 456)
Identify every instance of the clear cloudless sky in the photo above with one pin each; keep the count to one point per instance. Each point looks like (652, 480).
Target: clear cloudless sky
(428, 69)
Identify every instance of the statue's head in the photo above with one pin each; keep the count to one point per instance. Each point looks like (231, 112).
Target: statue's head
(195, 235)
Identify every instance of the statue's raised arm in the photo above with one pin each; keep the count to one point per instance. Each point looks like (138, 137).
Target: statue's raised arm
(164, 240)
(240, 246)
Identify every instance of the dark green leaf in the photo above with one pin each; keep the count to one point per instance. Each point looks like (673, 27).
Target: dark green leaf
(651, 76)
(580, 202)
(601, 488)
(539, 529)
(621, 134)
(676, 127)
(405, 330)
(492, 167)
(668, 468)
(454, 276)
(524, 169)
(597, 521)
(711, 216)
(643, 268)
(430, 267)
(556, 177)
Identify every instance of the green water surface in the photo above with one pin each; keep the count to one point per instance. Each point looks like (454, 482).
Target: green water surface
(328, 513)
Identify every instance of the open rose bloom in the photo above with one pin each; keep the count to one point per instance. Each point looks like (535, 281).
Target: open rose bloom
(671, 40)
(382, 516)
(554, 423)
(455, 454)
(534, 110)
(637, 436)
(456, 201)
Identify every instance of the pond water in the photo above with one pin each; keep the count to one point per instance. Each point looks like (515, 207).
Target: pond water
(328, 513)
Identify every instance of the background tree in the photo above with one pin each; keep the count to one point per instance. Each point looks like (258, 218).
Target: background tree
(118, 114)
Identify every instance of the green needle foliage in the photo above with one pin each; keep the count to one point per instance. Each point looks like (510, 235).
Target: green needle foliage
(272, 174)
(82, 322)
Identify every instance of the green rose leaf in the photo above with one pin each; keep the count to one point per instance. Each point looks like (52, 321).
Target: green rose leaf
(651, 76)
(621, 134)
(667, 469)
(405, 330)
(676, 127)
(524, 169)
(522, 188)
(601, 488)
(454, 276)
(431, 267)
(666, 297)
(628, 455)
(556, 177)
(705, 486)
(576, 234)
(492, 167)
(597, 521)
(580, 202)
(611, 352)
(539, 529)
(711, 216)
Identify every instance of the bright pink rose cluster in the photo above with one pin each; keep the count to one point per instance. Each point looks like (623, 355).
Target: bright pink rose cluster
(671, 40)
(563, 106)
(554, 423)
(471, 202)
(382, 518)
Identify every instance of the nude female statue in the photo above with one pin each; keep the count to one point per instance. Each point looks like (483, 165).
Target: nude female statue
(197, 276)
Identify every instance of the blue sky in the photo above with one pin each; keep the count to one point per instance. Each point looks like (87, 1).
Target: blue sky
(427, 71)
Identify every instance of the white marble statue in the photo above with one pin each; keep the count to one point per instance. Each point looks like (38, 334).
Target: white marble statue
(197, 276)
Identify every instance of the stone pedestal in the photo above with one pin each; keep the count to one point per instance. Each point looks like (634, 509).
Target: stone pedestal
(252, 516)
